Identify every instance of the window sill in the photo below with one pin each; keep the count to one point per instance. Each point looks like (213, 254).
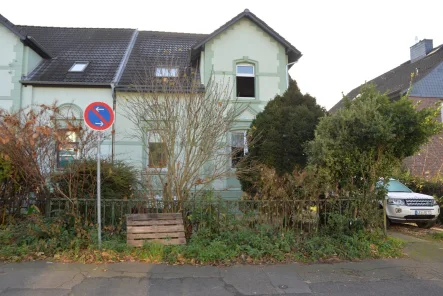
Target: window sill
(245, 98)
(152, 171)
(232, 172)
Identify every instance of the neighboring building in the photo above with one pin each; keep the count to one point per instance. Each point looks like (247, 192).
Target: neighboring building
(75, 66)
(426, 63)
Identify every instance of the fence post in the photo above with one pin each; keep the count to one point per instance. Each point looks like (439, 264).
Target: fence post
(317, 202)
(113, 213)
(218, 212)
(385, 227)
(284, 225)
(48, 208)
(86, 212)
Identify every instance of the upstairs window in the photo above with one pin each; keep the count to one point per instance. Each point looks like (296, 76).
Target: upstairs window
(245, 81)
(79, 67)
(166, 72)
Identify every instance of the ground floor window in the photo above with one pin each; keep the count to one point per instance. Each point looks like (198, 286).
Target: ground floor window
(239, 147)
(157, 155)
(68, 151)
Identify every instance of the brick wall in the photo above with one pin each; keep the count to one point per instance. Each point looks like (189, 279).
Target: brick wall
(427, 163)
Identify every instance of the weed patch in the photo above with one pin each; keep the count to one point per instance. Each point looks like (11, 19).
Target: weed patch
(359, 245)
(68, 240)
(437, 236)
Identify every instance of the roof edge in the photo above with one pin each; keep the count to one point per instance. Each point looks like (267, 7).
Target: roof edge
(63, 83)
(27, 40)
(126, 88)
(37, 47)
(396, 92)
(125, 58)
(9, 25)
(246, 13)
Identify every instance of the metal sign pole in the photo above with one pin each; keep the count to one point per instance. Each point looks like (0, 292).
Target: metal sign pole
(99, 116)
(99, 212)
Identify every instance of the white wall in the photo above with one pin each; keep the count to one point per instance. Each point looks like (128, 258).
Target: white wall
(80, 96)
(10, 67)
(8, 41)
(68, 95)
(246, 42)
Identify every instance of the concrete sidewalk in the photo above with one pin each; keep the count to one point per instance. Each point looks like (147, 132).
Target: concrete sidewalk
(417, 275)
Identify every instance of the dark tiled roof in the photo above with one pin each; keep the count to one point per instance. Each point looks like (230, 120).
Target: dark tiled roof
(24, 37)
(112, 53)
(398, 79)
(156, 49)
(293, 53)
(102, 48)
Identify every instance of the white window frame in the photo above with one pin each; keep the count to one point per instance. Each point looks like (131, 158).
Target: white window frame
(83, 66)
(166, 72)
(245, 143)
(246, 75)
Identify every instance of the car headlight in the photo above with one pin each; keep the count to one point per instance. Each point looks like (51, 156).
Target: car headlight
(435, 203)
(397, 202)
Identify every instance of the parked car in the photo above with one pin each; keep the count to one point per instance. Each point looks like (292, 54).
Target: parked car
(406, 206)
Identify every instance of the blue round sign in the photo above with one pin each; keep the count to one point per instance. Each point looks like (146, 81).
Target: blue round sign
(99, 116)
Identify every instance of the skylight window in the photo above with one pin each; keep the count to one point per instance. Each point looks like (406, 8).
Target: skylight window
(79, 67)
(166, 72)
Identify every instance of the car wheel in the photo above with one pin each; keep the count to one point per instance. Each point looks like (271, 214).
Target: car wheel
(425, 225)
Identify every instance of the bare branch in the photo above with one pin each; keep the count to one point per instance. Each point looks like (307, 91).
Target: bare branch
(170, 105)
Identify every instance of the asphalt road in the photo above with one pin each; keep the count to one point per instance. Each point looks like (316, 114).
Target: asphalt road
(420, 274)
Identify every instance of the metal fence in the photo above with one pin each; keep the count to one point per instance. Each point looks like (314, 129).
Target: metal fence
(300, 215)
(15, 207)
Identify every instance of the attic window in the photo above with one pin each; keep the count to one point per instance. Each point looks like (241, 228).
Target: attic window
(79, 67)
(166, 72)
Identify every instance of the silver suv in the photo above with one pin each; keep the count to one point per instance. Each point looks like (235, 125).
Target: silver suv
(404, 205)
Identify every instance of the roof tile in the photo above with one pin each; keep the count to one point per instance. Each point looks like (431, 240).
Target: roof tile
(154, 49)
(102, 48)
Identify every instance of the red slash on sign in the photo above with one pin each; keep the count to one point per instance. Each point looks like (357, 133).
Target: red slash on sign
(99, 116)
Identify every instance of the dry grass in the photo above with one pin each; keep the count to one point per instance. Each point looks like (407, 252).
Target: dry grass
(435, 233)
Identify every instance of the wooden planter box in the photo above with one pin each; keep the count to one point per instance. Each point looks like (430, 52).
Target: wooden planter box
(167, 229)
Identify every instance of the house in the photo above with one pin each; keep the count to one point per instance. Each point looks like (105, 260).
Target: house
(73, 66)
(76, 66)
(426, 63)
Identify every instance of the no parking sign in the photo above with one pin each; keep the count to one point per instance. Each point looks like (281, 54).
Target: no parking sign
(99, 116)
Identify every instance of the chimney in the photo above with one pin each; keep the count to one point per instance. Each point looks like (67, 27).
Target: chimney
(421, 49)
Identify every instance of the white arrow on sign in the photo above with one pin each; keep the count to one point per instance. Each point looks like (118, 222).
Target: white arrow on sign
(98, 109)
(99, 123)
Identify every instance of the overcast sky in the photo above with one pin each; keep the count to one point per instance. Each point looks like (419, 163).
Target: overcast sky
(344, 43)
